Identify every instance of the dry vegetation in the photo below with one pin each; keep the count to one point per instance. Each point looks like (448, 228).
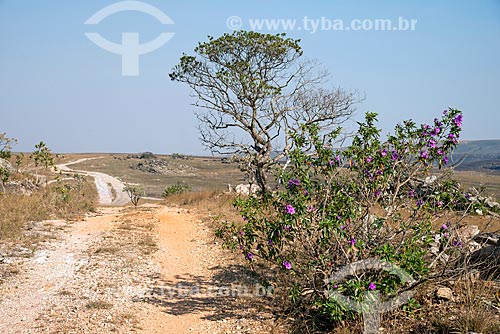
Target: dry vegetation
(474, 307)
(199, 173)
(17, 209)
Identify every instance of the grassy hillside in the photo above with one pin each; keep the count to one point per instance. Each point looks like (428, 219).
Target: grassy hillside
(199, 173)
(478, 155)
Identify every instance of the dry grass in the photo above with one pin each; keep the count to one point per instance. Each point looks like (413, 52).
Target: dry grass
(474, 309)
(199, 173)
(17, 210)
(99, 305)
(210, 204)
(110, 250)
(489, 181)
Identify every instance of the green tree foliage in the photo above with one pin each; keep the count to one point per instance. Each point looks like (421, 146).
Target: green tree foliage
(252, 90)
(43, 157)
(134, 192)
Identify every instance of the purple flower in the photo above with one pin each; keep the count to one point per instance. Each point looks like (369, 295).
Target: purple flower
(445, 112)
(440, 151)
(335, 286)
(310, 208)
(411, 193)
(241, 233)
(244, 218)
(444, 227)
(420, 202)
(289, 209)
(368, 160)
(424, 154)
(377, 193)
(270, 242)
(352, 242)
(293, 182)
(458, 120)
(457, 243)
(306, 192)
(287, 265)
(451, 136)
(339, 217)
(250, 256)
(439, 203)
(383, 152)
(337, 158)
(372, 286)
(426, 126)
(287, 228)
(432, 143)
(445, 159)
(343, 227)
(394, 155)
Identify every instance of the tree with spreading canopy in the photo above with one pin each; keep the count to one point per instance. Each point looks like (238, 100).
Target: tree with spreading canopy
(253, 91)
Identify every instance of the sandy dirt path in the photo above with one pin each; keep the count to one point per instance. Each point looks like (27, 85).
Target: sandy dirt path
(49, 270)
(149, 269)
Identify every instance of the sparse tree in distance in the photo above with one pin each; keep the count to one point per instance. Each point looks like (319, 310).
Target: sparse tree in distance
(135, 192)
(5, 153)
(19, 161)
(42, 157)
(6, 146)
(253, 90)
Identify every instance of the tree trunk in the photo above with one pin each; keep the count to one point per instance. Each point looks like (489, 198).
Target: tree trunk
(260, 177)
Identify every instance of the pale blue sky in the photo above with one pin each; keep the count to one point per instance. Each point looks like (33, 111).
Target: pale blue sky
(57, 86)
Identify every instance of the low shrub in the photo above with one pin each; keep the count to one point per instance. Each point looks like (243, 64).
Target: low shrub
(334, 208)
(177, 188)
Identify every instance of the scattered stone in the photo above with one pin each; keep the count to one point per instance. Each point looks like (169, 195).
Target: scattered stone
(244, 189)
(491, 238)
(492, 204)
(468, 232)
(444, 293)
(429, 180)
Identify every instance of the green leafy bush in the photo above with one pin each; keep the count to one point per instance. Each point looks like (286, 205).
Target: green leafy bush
(135, 192)
(177, 188)
(336, 207)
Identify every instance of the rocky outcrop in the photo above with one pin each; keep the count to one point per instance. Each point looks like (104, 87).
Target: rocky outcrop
(246, 189)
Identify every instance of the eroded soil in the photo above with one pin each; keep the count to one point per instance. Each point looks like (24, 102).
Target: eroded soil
(150, 269)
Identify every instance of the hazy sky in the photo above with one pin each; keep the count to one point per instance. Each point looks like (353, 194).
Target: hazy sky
(58, 86)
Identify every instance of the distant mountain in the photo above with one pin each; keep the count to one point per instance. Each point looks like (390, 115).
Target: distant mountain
(479, 155)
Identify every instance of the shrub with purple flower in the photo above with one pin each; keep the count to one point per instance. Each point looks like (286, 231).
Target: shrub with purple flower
(287, 265)
(372, 206)
(289, 209)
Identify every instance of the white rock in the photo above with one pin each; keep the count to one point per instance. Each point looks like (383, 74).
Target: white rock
(244, 189)
(430, 180)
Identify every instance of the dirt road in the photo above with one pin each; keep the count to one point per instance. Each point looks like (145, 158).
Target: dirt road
(149, 269)
(109, 188)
